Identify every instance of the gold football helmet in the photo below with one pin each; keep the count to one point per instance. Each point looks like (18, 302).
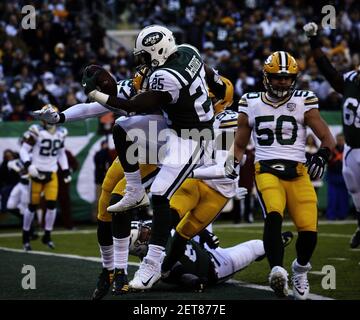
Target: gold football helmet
(221, 104)
(141, 79)
(280, 64)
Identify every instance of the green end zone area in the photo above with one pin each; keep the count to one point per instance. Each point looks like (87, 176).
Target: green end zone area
(71, 278)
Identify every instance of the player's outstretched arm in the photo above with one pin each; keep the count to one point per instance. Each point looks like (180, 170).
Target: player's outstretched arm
(76, 112)
(335, 78)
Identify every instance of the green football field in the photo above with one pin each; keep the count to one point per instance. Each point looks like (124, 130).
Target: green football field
(70, 271)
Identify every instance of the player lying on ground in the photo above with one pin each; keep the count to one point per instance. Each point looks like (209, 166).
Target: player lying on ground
(203, 263)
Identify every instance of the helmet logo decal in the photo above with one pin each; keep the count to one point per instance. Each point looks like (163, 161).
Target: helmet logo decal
(152, 38)
(268, 60)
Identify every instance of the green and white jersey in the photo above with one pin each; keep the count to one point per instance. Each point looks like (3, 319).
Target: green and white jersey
(351, 110)
(196, 259)
(278, 129)
(184, 78)
(125, 89)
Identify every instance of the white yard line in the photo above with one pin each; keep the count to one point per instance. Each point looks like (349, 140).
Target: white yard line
(95, 259)
(61, 255)
(61, 232)
(312, 296)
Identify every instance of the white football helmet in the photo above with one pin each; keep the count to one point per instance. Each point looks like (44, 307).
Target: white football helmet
(139, 238)
(154, 45)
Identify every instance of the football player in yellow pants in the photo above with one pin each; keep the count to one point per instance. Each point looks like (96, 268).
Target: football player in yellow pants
(277, 120)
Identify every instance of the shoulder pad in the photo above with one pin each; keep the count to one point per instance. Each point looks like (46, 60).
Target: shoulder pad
(35, 129)
(188, 46)
(227, 119)
(350, 76)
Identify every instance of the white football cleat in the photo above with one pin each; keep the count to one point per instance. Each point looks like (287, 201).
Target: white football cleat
(299, 280)
(148, 274)
(133, 198)
(278, 280)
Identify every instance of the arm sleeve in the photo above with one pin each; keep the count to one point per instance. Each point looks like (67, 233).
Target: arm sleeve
(62, 159)
(335, 79)
(25, 152)
(209, 172)
(84, 110)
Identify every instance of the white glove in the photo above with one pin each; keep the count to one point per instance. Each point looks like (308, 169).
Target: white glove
(33, 172)
(49, 115)
(240, 193)
(310, 29)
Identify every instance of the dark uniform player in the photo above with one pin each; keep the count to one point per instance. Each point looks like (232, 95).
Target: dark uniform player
(204, 263)
(349, 86)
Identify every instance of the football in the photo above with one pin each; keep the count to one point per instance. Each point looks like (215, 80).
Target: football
(105, 80)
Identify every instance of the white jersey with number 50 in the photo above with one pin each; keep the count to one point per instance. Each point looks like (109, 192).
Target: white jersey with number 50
(278, 130)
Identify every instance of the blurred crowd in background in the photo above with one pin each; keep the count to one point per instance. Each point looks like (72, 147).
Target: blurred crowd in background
(44, 65)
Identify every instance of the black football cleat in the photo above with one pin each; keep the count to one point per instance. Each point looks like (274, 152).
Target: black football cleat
(121, 283)
(103, 285)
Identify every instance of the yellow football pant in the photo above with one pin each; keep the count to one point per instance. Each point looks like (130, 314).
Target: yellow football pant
(197, 205)
(298, 195)
(50, 190)
(115, 182)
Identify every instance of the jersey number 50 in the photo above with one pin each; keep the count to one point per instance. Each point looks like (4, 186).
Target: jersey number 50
(270, 134)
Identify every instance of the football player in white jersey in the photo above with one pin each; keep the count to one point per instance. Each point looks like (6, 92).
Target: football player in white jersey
(348, 85)
(41, 151)
(178, 86)
(277, 120)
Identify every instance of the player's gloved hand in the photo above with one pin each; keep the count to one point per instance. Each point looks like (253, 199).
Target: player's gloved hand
(231, 168)
(89, 81)
(33, 172)
(310, 29)
(240, 193)
(209, 238)
(316, 163)
(49, 115)
(67, 176)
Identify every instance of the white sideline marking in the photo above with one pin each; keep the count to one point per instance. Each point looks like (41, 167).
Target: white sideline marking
(60, 232)
(61, 255)
(312, 296)
(317, 273)
(95, 259)
(338, 259)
